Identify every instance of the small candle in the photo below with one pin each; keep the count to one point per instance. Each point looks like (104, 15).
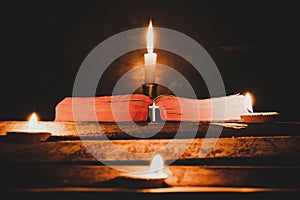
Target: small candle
(256, 117)
(31, 134)
(150, 57)
(154, 178)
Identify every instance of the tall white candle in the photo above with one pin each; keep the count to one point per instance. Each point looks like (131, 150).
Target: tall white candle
(150, 57)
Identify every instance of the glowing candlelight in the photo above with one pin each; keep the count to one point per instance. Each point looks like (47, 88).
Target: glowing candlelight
(33, 123)
(156, 167)
(149, 38)
(150, 57)
(256, 117)
(248, 103)
(32, 132)
(155, 172)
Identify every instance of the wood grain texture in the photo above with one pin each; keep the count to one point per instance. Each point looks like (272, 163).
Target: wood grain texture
(158, 130)
(30, 176)
(68, 151)
(261, 156)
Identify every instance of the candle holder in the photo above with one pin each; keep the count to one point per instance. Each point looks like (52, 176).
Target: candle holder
(150, 89)
(260, 117)
(27, 137)
(146, 180)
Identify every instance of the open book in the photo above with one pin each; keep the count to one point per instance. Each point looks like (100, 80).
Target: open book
(135, 107)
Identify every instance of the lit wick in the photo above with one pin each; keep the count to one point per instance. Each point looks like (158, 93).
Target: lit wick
(248, 103)
(33, 123)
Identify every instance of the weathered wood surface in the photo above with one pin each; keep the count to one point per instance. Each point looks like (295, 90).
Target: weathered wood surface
(155, 130)
(33, 176)
(69, 151)
(264, 157)
(172, 193)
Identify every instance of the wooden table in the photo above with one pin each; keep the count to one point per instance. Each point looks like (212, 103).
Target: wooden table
(258, 160)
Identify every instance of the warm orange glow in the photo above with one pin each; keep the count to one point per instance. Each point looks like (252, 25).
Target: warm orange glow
(155, 172)
(150, 57)
(248, 97)
(150, 39)
(249, 102)
(33, 122)
(157, 163)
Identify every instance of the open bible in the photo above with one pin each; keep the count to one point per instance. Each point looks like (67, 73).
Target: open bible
(135, 107)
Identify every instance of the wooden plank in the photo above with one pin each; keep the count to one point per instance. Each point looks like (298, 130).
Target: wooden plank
(285, 149)
(177, 190)
(246, 156)
(154, 130)
(174, 193)
(40, 176)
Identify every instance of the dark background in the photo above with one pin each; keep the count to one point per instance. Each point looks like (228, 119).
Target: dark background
(253, 43)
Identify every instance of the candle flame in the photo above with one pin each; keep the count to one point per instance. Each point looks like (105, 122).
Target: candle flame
(33, 122)
(249, 102)
(150, 38)
(157, 163)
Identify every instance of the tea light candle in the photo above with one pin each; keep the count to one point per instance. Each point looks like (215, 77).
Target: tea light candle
(31, 134)
(259, 117)
(154, 178)
(256, 117)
